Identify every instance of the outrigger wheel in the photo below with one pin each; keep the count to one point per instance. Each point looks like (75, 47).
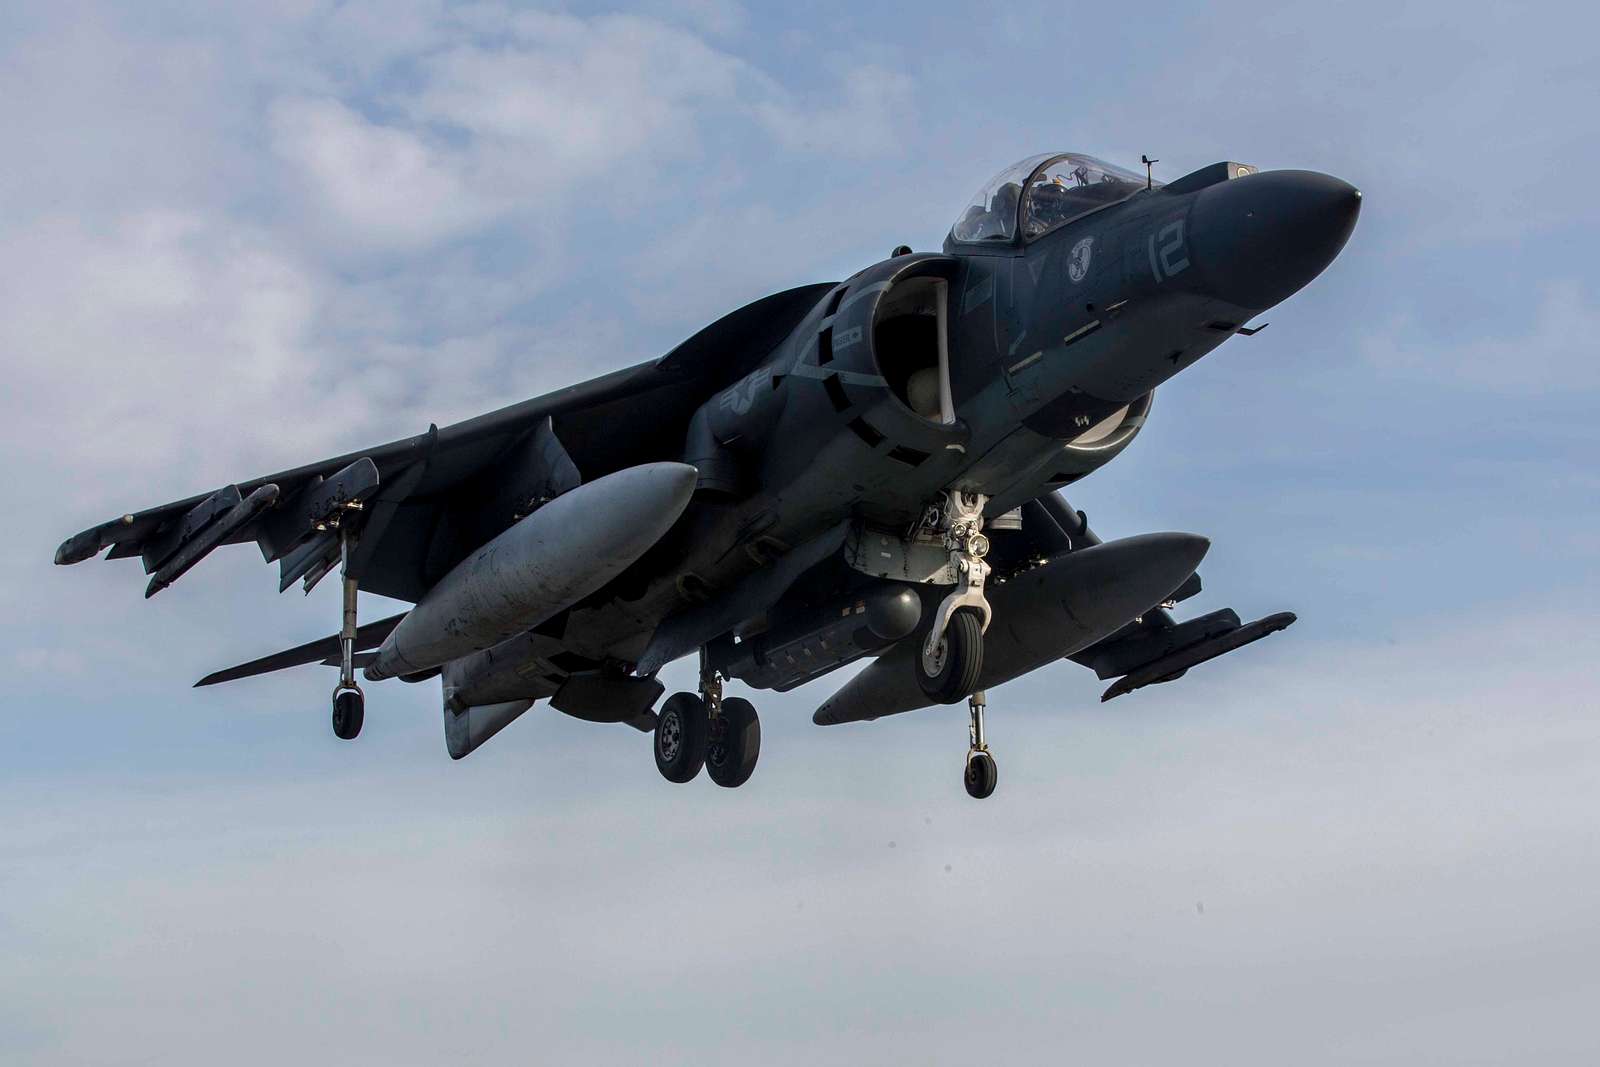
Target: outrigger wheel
(735, 743)
(681, 728)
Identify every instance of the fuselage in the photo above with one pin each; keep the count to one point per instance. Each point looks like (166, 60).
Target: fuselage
(1006, 367)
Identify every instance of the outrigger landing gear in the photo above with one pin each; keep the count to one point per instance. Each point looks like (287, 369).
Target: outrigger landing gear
(981, 773)
(723, 735)
(349, 704)
(952, 654)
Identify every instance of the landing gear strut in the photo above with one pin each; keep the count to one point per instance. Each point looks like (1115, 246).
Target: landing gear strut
(951, 659)
(349, 705)
(981, 773)
(722, 735)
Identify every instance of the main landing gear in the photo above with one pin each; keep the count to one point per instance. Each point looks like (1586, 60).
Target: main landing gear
(349, 704)
(721, 734)
(951, 658)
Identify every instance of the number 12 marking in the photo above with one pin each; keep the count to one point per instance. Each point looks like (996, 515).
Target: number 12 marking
(1168, 259)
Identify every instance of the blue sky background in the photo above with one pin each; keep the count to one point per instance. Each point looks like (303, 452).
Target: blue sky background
(235, 239)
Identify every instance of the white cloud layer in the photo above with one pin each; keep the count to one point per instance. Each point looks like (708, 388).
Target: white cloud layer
(1331, 863)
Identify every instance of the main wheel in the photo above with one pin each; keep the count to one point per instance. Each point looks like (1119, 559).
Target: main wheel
(681, 730)
(951, 673)
(349, 710)
(736, 744)
(982, 775)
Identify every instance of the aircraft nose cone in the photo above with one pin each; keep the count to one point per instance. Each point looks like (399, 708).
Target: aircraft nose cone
(1260, 238)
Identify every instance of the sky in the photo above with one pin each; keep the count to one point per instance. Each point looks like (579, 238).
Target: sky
(238, 238)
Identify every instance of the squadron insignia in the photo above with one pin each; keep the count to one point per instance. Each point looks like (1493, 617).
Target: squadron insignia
(1078, 260)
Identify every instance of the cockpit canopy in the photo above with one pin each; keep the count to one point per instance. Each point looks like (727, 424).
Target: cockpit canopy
(1039, 194)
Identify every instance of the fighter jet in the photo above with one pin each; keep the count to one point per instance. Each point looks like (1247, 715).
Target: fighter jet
(860, 469)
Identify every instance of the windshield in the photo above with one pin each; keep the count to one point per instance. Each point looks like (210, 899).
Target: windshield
(1071, 185)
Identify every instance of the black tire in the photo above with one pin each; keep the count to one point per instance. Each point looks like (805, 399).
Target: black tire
(349, 710)
(982, 775)
(680, 738)
(736, 745)
(960, 662)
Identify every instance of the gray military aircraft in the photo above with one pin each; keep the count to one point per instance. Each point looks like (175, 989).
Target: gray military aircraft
(866, 468)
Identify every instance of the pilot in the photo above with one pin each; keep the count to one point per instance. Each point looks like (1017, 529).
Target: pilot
(1047, 203)
(1003, 206)
(995, 221)
(974, 224)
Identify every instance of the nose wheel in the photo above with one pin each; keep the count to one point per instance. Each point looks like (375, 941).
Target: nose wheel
(981, 774)
(950, 663)
(951, 659)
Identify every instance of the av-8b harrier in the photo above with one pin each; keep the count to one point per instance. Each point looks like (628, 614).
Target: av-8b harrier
(867, 468)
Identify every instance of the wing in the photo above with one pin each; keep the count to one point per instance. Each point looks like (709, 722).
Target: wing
(1155, 647)
(425, 501)
(324, 650)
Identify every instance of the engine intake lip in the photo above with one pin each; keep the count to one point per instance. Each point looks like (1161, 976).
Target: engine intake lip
(873, 382)
(1125, 431)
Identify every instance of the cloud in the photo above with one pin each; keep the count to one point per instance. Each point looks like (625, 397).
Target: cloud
(113, 334)
(1319, 822)
(865, 114)
(580, 95)
(508, 114)
(386, 187)
(719, 18)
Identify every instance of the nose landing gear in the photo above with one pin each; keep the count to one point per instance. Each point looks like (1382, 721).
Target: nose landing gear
(952, 654)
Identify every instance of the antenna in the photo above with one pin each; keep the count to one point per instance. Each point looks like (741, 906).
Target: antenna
(1148, 163)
